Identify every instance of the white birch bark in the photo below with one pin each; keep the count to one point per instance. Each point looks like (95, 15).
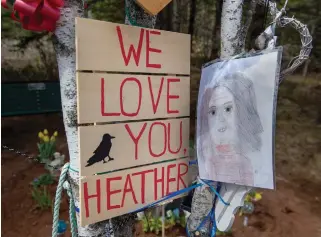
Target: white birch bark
(231, 29)
(64, 43)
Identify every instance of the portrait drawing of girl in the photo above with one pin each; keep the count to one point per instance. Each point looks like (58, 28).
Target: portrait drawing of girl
(229, 129)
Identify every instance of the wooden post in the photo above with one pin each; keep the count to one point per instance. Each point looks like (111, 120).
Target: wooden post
(163, 220)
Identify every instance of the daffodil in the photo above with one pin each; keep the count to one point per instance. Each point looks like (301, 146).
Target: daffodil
(55, 134)
(40, 135)
(52, 138)
(46, 138)
(45, 132)
(258, 196)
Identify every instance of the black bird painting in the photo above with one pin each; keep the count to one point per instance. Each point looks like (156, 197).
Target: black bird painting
(102, 151)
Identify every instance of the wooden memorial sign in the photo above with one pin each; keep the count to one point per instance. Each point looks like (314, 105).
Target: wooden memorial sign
(153, 7)
(133, 90)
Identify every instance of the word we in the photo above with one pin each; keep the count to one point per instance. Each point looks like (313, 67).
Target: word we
(137, 52)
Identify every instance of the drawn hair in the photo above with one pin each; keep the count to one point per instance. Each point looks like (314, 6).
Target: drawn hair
(248, 123)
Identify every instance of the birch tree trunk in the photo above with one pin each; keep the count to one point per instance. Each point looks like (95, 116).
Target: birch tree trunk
(64, 44)
(230, 45)
(231, 28)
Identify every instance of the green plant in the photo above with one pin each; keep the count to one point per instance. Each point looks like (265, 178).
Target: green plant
(156, 224)
(152, 224)
(145, 224)
(182, 220)
(46, 146)
(221, 233)
(42, 180)
(42, 197)
(170, 221)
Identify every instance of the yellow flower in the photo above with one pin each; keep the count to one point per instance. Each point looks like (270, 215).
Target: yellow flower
(40, 135)
(55, 134)
(258, 196)
(52, 139)
(45, 132)
(46, 138)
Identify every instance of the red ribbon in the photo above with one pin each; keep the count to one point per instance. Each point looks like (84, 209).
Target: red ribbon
(36, 15)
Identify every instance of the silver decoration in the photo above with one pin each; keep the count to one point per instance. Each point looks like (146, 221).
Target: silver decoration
(306, 39)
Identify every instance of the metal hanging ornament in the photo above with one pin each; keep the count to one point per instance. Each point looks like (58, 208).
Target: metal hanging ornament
(267, 38)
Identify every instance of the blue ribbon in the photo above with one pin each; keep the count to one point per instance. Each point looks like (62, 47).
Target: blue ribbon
(171, 195)
(216, 192)
(193, 162)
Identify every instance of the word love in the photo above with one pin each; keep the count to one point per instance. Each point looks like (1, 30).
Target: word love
(121, 192)
(136, 88)
(117, 97)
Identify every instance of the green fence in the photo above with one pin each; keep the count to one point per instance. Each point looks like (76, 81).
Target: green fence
(21, 98)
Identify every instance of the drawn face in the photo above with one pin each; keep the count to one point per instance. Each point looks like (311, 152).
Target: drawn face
(221, 119)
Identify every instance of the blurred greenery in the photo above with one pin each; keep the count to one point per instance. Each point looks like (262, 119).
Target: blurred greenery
(11, 29)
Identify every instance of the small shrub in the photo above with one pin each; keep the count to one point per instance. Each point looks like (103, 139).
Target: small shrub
(42, 180)
(42, 197)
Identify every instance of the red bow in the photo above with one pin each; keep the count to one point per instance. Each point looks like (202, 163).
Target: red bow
(36, 15)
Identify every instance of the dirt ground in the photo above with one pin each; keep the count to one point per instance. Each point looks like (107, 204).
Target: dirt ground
(292, 210)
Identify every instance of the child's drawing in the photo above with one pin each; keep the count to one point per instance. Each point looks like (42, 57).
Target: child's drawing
(230, 130)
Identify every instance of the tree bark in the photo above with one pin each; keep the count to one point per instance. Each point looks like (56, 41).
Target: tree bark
(176, 20)
(246, 26)
(64, 44)
(216, 30)
(230, 45)
(169, 16)
(192, 21)
(231, 28)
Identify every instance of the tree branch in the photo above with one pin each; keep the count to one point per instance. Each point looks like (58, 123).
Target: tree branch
(247, 24)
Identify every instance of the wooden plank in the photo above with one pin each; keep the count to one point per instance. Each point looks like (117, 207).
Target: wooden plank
(106, 97)
(153, 7)
(114, 194)
(99, 47)
(134, 144)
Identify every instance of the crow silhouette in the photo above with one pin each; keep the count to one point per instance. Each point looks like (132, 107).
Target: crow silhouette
(102, 151)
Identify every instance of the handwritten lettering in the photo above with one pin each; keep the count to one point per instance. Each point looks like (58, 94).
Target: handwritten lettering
(133, 186)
